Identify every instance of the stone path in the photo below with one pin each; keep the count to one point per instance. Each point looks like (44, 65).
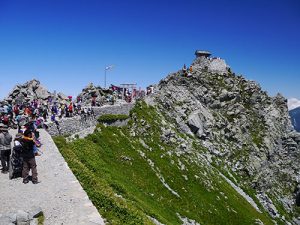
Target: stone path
(59, 194)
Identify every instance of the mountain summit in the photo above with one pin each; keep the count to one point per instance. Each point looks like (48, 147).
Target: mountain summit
(207, 147)
(246, 132)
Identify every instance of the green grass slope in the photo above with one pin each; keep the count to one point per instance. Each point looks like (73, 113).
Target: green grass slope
(133, 177)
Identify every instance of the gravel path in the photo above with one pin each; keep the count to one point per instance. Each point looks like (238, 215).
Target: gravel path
(59, 194)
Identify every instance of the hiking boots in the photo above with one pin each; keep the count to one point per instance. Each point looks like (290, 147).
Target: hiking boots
(35, 182)
(25, 181)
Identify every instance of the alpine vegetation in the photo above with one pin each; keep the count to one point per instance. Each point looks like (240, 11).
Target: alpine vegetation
(207, 147)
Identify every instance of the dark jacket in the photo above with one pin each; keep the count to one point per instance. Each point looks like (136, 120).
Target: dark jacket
(5, 140)
(27, 145)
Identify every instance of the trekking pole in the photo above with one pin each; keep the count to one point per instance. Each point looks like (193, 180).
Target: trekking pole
(40, 151)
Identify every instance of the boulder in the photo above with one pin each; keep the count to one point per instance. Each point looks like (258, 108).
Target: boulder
(22, 218)
(6, 220)
(42, 93)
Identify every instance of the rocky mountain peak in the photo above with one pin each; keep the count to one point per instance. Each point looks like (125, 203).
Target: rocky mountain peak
(246, 131)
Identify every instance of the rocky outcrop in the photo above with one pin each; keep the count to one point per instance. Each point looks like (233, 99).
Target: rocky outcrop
(91, 91)
(214, 65)
(245, 131)
(29, 91)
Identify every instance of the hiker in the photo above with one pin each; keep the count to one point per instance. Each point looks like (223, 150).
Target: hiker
(59, 113)
(16, 110)
(53, 119)
(189, 72)
(70, 108)
(28, 155)
(5, 119)
(45, 113)
(184, 71)
(10, 111)
(5, 147)
(93, 102)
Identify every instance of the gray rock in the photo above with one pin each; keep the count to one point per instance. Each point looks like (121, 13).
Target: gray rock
(196, 124)
(29, 91)
(6, 220)
(42, 93)
(216, 104)
(35, 212)
(22, 218)
(34, 221)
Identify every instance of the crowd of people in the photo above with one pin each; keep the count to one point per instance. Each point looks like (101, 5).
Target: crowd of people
(40, 113)
(27, 117)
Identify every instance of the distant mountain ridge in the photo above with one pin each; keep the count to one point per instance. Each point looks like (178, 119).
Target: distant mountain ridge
(293, 103)
(295, 118)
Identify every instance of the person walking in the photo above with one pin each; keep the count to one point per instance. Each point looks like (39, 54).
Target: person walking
(5, 147)
(28, 155)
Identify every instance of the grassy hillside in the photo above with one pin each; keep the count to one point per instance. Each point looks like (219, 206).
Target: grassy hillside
(133, 176)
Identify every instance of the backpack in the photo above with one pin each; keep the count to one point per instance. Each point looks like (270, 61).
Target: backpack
(9, 109)
(18, 148)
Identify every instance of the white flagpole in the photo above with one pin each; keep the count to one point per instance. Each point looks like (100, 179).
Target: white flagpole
(105, 77)
(105, 69)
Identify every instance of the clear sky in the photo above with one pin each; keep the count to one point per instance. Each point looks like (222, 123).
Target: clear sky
(67, 44)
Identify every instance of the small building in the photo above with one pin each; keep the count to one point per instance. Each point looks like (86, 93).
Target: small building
(202, 53)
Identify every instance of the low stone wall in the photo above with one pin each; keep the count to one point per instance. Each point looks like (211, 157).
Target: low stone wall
(69, 126)
(117, 123)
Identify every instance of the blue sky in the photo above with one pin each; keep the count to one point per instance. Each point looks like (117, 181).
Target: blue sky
(66, 44)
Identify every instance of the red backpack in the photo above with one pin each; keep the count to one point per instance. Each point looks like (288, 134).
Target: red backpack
(16, 110)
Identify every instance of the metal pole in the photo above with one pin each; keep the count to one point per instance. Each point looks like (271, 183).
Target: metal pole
(105, 77)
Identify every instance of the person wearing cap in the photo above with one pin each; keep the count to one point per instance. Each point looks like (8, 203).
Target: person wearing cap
(5, 147)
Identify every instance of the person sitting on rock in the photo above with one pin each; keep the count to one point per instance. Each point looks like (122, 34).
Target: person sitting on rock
(28, 155)
(188, 73)
(5, 147)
